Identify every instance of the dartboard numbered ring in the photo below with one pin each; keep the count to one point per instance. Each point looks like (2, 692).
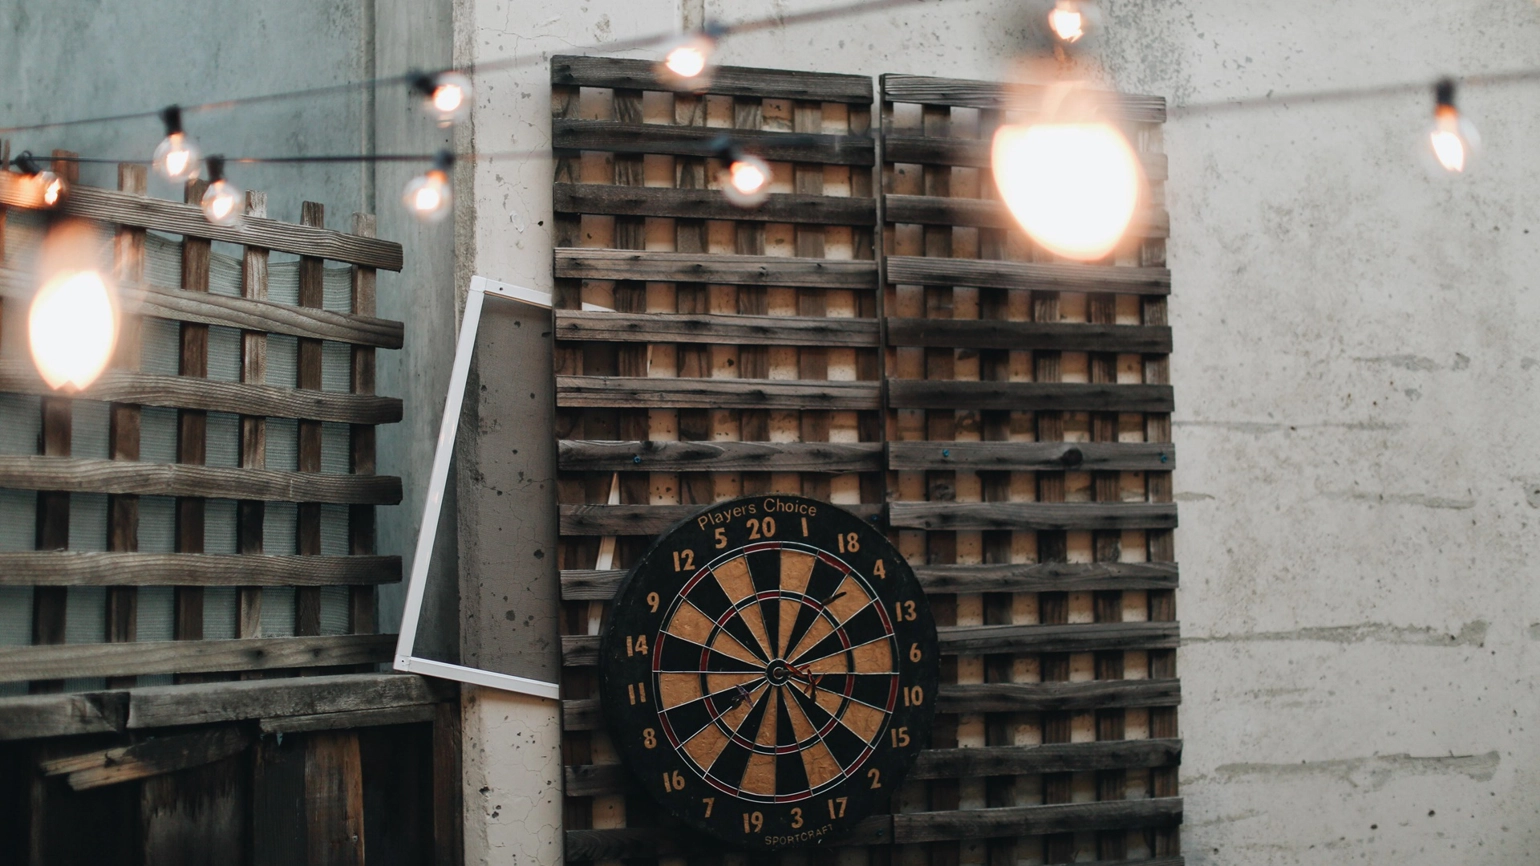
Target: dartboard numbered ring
(769, 671)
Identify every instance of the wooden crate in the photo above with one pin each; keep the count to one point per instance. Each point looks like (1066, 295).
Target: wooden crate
(1029, 469)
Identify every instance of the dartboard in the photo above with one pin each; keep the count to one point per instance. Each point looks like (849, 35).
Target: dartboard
(769, 670)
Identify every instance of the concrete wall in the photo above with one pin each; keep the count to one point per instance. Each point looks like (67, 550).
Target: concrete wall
(1354, 375)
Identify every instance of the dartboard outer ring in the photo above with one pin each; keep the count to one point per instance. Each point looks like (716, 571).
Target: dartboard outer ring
(760, 733)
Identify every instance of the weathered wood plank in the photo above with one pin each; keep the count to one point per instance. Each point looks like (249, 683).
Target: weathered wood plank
(1045, 276)
(975, 153)
(650, 842)
(160, 706)
(1076, 637)
(913, 827)
(190, 656)
(604, 520)
(608, 456)
(1039, 516)
(691, 393)
(596, 264)
(722, 329)
(625, 74)
(1033, 456)
(1017, 577)
(334, 799)
(1045, 758)
(233, 312)
(37, 716)
(700, 141)
(996, 334)
(407, 715)
(81, 475)
(185, 392)
(61, 568)
(1056, 697)
(1153, 222)
(150, 758)
(594, 198)
(1027, 396)
(590, 584)
(183, 219)
(997, 96)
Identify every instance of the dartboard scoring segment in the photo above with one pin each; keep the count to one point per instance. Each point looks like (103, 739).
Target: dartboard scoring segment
(770, 670)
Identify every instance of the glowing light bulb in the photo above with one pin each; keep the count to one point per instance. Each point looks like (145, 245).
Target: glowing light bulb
(47, 186)
(448, 95)
(427, 196)
(1453, 138)
(1067, 20)
(222, 200)
(1072, 186)
(72, 326)
(177, 157)
(746, 181)
(686, 64)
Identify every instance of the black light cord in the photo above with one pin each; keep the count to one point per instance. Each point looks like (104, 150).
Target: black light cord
(711, 29)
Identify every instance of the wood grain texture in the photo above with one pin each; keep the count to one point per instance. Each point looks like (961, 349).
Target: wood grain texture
(334, 799)
(1152, 222)
(647, 519)
(190, 656)
(408, 715)
(37, 716)
(1039, 516)
(188, 220)
(1028, 396)
(19, 377)
(1042, 276)
(1033, 456)
(995, 334)
(81, 475)
(638, 201)
(64, 568)
(149, 758)
(965, 93)
(1044, 576)
(916, 827)
(624, 74)
(1045, 758)
(1037, 638)
(682, 393)
(975, 153)
(161, 706)
(613, 456)
(598, 264)
(578, 325)
(701, 141)
(1057, 697)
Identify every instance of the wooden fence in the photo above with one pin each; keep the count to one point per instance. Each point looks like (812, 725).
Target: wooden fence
(917, 360)
(192, 532)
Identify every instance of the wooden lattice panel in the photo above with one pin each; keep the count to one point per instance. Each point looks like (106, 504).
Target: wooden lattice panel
(1030, 463)
(170, 327)
(703, 351)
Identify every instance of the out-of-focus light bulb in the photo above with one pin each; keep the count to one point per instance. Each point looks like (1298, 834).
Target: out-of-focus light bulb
(1067, 20)
(686, 63)
(51, 186)
(447, 94)
(427, 196)
(177, 157)
(222, 200)
(72, 326)
(746, 180)
(1453, 138)
(48, 188)
(1072, 186)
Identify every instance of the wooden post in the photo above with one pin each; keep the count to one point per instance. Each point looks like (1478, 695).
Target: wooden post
(307, 536)
(251, 514)
(192, 434)
(361, 451)
(123, 432)
(1162, 841)
(1107, 546)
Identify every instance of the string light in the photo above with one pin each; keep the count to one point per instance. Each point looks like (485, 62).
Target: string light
(686, 63)
(427, 196)
(1071, 181)
(448, 95)
(1453, 138)
(745, 179)
(177, 157)
(72, 324)
(50, 188)
(222, 200)
(1070, 19)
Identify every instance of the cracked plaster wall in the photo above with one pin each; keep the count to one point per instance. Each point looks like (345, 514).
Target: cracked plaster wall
(1355, 372)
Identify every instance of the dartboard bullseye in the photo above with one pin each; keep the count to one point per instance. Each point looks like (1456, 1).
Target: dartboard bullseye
(770, 671)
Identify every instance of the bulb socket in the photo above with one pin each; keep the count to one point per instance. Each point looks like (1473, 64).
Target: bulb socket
(444, 160)
(1443, 92)
(171, 115)
(216, 167)
(28, 163)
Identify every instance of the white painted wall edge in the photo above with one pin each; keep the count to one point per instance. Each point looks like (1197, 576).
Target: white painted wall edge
(438, 478)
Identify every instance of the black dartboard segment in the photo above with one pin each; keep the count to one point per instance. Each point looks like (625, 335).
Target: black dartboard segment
(769, 671)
